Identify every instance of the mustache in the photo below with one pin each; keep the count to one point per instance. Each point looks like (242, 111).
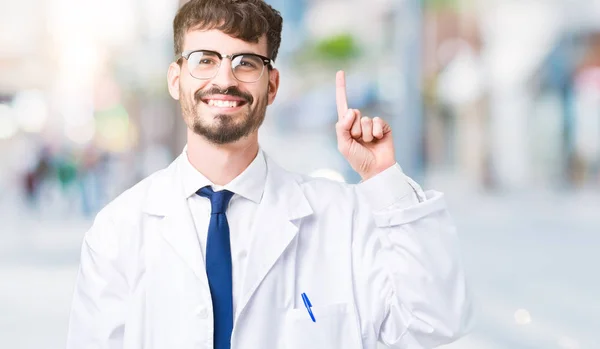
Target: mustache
(230, 91)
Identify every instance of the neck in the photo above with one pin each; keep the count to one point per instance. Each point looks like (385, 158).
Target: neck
(221, 163)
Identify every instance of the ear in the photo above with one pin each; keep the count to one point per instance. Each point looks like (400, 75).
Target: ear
(273, 85)
(173, 80)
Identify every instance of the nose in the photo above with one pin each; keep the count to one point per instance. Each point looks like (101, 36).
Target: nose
(224, 78)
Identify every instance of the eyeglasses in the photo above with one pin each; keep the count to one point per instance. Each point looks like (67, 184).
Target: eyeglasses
(205, 64)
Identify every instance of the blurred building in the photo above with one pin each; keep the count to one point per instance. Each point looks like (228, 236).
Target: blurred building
(496, 96)
(492, 95)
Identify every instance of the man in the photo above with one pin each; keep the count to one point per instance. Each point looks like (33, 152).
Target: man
(224, 249)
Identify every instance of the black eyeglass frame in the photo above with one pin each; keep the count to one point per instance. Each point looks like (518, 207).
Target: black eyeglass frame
(267, 62)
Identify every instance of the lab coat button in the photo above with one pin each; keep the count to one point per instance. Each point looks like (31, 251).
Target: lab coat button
(202, 312)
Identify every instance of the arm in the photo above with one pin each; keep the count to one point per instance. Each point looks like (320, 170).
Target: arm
(410, 283)
(101, 290)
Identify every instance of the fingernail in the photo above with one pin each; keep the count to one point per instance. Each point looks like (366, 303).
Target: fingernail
(349, 113)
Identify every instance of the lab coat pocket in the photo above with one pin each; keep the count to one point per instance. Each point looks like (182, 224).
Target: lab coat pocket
(335, 327)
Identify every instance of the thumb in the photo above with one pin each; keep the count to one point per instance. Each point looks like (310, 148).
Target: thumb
(343, 128)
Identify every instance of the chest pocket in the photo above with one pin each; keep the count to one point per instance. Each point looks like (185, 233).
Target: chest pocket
(336, 327)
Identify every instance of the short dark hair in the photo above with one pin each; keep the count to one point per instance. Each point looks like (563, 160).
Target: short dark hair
(247, 20)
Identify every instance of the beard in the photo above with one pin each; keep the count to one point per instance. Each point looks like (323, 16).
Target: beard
(225, 128)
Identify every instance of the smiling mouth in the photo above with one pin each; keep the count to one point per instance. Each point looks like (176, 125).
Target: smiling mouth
(219, 103)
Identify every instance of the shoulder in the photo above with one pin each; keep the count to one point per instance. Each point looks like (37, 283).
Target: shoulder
(314, 188)
(119, 219)
(323, 185)
(132, 200)
(324, 194)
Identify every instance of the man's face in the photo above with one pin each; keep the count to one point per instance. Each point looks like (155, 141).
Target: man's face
(222, 109)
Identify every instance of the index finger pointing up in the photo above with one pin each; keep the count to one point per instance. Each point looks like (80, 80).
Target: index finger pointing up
(340, 94)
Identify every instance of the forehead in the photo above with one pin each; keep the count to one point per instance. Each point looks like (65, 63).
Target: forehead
(216, 40)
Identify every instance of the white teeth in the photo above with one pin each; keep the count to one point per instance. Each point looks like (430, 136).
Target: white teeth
(222, 104)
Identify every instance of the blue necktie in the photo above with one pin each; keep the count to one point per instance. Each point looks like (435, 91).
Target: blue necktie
(218, 266)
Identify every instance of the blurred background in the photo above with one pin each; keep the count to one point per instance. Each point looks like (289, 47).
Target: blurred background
(495, 102)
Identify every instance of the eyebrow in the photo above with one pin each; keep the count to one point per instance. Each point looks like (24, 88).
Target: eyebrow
(234, 53)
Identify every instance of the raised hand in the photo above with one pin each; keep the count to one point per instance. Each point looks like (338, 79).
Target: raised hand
(365, 143)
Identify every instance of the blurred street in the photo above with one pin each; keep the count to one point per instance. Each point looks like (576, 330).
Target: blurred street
(532, 260)
(496, 103)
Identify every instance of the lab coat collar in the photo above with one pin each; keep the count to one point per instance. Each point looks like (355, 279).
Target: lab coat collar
(166, 199)
(275, 227)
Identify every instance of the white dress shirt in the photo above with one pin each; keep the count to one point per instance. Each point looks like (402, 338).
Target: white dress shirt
(248, 189)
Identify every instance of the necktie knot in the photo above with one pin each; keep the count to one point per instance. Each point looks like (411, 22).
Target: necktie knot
(218, 199)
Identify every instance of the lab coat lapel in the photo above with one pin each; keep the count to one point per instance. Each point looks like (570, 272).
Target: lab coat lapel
(276, 225)
(166, 198)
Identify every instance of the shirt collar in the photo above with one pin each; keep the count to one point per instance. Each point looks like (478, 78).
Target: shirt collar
(250, 183)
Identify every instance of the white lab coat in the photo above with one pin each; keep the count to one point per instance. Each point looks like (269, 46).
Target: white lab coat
(393, 275)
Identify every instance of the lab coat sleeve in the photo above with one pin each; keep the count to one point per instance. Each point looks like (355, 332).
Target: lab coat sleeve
(98, 305)
(410, 283)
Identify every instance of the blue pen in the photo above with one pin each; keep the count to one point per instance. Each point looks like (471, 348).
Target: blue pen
(308, 306)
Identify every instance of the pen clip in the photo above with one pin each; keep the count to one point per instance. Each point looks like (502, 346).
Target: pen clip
(308, 305)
